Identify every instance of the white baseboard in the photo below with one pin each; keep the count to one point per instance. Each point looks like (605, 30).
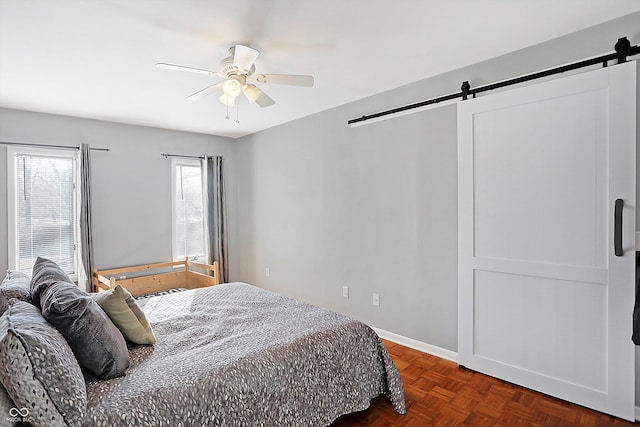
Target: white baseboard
(435, 350)
(417, 345)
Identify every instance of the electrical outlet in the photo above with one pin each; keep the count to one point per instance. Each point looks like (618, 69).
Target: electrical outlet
(345, 291)
(267, 272)
(376, 299)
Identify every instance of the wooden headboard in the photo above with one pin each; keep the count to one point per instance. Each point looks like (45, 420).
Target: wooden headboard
(145, 281)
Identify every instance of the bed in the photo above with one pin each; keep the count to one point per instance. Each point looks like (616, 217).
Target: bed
(238, 355)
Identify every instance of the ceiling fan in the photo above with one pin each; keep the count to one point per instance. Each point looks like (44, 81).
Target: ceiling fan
(238, 70)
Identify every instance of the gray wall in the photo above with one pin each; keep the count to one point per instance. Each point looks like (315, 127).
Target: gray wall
(130, 184)
(324, 206)
(374, 207)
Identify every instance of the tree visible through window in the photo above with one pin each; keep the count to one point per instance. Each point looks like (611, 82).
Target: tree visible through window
(43, 204)
(188, 218)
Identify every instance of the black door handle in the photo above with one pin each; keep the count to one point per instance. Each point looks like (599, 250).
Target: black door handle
(617, 227)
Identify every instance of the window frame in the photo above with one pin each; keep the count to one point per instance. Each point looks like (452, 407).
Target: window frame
(175, 162)
(12, 206)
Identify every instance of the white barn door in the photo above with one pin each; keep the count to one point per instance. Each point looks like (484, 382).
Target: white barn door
(544, 301)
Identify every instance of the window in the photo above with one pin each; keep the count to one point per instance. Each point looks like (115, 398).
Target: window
(42, 208)
(188, 210)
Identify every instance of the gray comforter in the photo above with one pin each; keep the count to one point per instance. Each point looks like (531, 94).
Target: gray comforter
(238, 355)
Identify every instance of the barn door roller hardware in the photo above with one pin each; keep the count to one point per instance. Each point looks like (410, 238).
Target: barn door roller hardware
(623, 50)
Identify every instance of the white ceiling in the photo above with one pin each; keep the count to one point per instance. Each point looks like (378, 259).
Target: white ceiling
(96, 59)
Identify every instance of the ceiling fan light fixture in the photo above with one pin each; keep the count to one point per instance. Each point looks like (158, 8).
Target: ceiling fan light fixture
(232, 88)
(251, 92)
(237, 68)
(229, 101)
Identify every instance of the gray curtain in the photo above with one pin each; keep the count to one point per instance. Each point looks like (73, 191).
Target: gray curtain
(86, 239)
(216, 218)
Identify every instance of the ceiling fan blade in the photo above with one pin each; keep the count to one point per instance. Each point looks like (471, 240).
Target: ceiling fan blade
(188, 69)
(255, 95)
(209, 90)
(285, 79)
(244, 57)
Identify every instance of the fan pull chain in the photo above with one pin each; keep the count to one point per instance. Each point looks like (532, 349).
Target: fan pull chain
(238, 112)
(227, 116)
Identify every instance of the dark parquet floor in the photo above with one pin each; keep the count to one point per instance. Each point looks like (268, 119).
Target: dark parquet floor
(439, 393)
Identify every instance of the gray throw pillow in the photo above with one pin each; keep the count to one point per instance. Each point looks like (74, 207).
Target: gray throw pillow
(16, 285)
(38, 370)
(5, 406)
(95, 340)
(45, 273)
(4, 302)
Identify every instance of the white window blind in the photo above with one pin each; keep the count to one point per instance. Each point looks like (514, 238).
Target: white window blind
(188, 217)
(44, 206)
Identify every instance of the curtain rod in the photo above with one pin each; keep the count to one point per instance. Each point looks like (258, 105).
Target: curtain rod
(623, 49)
(64, 147)
(166, 156)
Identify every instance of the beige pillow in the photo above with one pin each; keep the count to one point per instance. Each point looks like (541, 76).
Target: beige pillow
(125, 314)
